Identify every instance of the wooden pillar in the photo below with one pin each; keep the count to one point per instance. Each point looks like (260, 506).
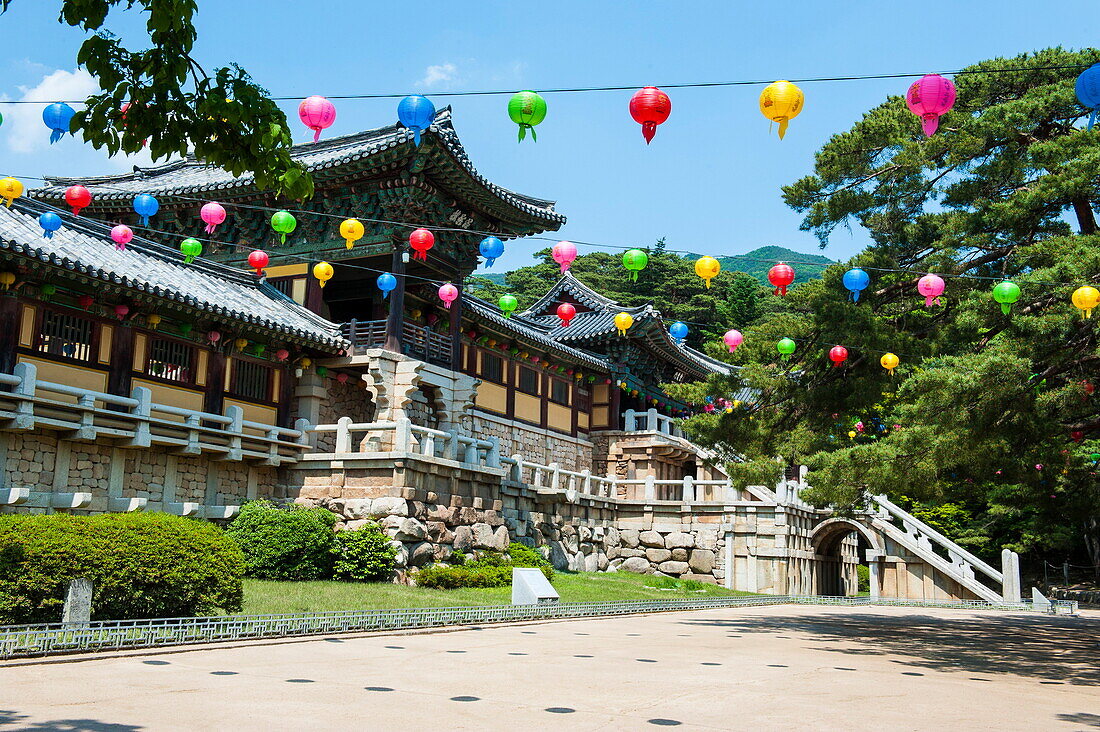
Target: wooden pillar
(9, 332)
(456, 331)
(286, 395)
(215, 383)
(511, 378)
(120, 374)
(614, 408)
(395, 320)
(544, 399)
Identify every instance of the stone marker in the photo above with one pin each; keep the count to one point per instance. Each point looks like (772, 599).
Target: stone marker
(530, 587)
(1039, 600)
(78, 602)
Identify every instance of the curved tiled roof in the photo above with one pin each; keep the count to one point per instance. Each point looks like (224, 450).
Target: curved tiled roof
(84, 246)
(322, 159)
(570, 285)
(530, 329)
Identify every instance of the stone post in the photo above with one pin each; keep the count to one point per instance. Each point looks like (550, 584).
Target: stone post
(1010, 571)
(650, 488)
(78, 602)
(310, 393)
(689, 489)
(24, 410)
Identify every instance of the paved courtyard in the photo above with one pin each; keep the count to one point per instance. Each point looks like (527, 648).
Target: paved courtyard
(785, 667)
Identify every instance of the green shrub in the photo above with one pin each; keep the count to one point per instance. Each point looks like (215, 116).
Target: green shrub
(485, 569)
(142, 565)
(294, 543)
(457, 559)
(363, 555)
(863, 578)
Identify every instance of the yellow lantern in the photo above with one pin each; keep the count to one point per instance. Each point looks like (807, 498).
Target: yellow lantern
(352, 231)
(306, 363)
(623, 321)
(889, 362)
(153, 320)
(241, 343)
(323, 272)
(7, 279)
(852, 434)
(10, 189)
(707, 268)
(781, 101)
(1086, 298)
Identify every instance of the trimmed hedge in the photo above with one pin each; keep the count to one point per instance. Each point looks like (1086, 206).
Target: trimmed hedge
(142, 565)
(488, 569)
(294, 543)
(363, 555)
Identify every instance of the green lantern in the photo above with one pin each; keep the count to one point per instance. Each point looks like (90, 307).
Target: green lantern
(190, 248)
(786, 347)
(635, 260)
(1006, 293)
(322, 371)
(527, 109)
(283, 223)
(185, 329)
(48, 290)
(507, 304)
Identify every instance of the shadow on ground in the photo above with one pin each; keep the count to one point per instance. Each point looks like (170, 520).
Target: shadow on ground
(14, 720)
(1054, 649)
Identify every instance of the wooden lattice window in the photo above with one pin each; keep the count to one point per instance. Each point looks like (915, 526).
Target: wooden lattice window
(66, 335)
(559, 391)
(284, 285)
(528, 380)
(170, 360)
(251, 380)
(492, 367)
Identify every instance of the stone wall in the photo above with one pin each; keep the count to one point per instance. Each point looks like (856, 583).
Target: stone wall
(535, 444)
(350, 399)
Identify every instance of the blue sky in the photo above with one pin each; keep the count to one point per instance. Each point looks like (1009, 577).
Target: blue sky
(710, 181)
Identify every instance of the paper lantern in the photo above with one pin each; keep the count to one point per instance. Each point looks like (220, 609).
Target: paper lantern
(282, 354)
(856, 281)
(58, 116)
(1085, 299)
(707, 268)
(190, 248)
(930, 97)
(122, 235)
(241, 344)
(213, 336)
(386, 283)
(786, 347)
(416, 113)
(931, 286)
(7, 279)
(889, 362)
(781, 276)
(733, 339)
(623, 321)
(507, 304)
(448, 293)
(491, 248)
(10, 189)
(635, 260)
(121, 311)
(323, 272)
(352, 230)
(153, 320)
(421, 240)
(678, 331)
(213, 214)
(78, 197)
(317, 113)
(566, 312)
(527, 109)
(257, 260)
(145, 206)
(564, 252)
(85, 302)
(306, 363)
(1088, 91)
(852, 434)
(838, 354)
(1006, 293)
(50, 222)
(650, 107)
(283, 223)
(342, 377)
(781, 101)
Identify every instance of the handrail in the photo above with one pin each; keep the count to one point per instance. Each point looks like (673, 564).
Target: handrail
(653, 421)
(401, 435)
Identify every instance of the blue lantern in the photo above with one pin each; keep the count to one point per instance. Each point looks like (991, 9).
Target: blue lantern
(417, 113)
(50, 222)
(386, 282)
(856, 280)
(708, 399)
(1088, 91)
(57, 117)
(145, 206)
(491, 248)
(678, 331)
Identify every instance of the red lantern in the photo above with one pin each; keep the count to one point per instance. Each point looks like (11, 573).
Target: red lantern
(421, 241)
(1077, 435)
(342, 378)
(650, 107)
(282, 354)
(566, 312)
(781, 275)
(838, 354)
(78, 197)
(85, 301)
(257, 260)
(122, 311)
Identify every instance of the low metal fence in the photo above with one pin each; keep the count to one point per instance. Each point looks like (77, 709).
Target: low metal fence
(18, 641)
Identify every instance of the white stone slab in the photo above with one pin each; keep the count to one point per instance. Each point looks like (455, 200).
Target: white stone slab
(530, 587)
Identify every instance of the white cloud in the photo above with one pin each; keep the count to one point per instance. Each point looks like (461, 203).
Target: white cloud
(24, 131)
(439, 74)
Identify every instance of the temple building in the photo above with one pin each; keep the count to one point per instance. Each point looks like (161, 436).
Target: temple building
(134, 379)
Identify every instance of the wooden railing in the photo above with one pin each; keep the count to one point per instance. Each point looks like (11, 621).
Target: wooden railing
(417, 340)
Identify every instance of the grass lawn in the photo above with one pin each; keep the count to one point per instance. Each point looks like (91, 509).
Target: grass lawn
(263, 597)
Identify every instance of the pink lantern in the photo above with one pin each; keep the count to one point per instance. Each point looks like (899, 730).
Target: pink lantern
(213, 214)
(282, 354)
(342, 377)
(122, 235)
(316, 113)
(566, 312)
(448, 293)
(931, 286)
(930, 97)
(733, 339)
(564, 253)
(214, 336)
(122, 311)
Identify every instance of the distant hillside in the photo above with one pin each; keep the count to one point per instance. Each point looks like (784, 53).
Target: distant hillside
(759, 261)
(496, 278)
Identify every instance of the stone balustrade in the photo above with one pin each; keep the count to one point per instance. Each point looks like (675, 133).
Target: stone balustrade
(356, 439)
(651, 421)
